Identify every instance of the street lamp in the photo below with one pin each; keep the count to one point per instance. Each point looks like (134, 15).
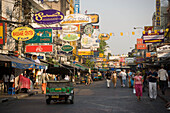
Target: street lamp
(138, 28)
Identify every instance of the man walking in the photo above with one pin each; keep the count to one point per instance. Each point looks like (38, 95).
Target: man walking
(152, 76)
(163, 77)
(108, 78)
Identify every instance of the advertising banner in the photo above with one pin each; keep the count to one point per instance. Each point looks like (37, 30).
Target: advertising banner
(163, 51)
(76, 6)
(67, 48)
(148, 28)
(158, 12)
(23, 33)
(41, 36)
(2, 33)
(94, 18)
(129, 60)
(76, 19)
(153, 37)
(141, 46)
(85, 52)
(50, 16)
(139, 41)
(104, 36)
(70, 37)
(39, 48)
(86, 41)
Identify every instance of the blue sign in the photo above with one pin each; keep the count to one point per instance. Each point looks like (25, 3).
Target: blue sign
(76, 6)
(40, 57)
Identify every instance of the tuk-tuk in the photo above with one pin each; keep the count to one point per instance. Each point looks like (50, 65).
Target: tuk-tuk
(59, 90)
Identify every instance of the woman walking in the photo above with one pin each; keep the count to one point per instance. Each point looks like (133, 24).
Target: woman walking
(138, 85)
(114, 80)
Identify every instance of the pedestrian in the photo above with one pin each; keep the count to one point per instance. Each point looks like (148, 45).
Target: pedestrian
(152, 78)
(138, 85)
(132, 79)
(44, 81)
(129, 78)
(123, 74)
(114, 80)
(120, 78)
(6, 82)
(163, 79)
(108, 78)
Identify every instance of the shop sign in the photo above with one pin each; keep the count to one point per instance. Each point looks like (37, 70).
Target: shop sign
(39, 48)
(86, 41)
(99, 59)
(141, 46)
(67, 48)
(158, 12)
(23, 33)
(70, 37)
(101, 55)
(148, 28)
(104, 36)
(76, 6)
(94, 18)
(76, 19)
(85, 52)
(163, 51)
(62, 53)
(129, 60)
(41, 36)
(50, 16)
(69, 28)
(2, 33)
(153, 37)
(88, 29)
(139, 41)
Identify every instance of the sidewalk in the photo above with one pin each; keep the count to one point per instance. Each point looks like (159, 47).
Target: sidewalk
(165, 97)
(4, 97)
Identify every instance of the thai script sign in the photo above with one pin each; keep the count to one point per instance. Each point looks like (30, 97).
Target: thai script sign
(41, 36)
(86, 41)
(94, 18)
(70, 37)
(39, 48)
(50, 16)
(76, 19)
(153, 37)
(2, 33)
(69, 28)
(158, 12)
(104, 36)
(23, 33)
(67, 48)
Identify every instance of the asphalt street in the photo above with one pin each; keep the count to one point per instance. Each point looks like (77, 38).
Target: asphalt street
(96, 98)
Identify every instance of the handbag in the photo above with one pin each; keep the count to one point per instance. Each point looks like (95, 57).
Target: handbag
(134, 91)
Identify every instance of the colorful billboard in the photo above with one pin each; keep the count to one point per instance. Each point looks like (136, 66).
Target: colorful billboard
(163, 51)
(85, 52)
(76, 19)
(41, 36)
(148, 28)
(50, 16)
(88, 29)
(104, 36)
(39, 48)
(62, 53)
(67, 48)
(2, 33)
(94, 18)
(158, 12)
(86, 41)
(23, 33)
(153, 37)
(70, 37)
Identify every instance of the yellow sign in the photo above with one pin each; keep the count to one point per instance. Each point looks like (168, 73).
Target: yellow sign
(104, 36)
(23, 33)
(94, 18)
(85, 52)
(158, 12)
(101, 55)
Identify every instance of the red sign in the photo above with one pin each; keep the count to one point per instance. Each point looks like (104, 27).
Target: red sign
(2, 33)
(139, 41)
(147, 28)
(39, 48)
(141, 46)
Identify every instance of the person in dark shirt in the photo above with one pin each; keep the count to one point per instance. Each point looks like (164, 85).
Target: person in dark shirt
(108, 78)
(152, 77)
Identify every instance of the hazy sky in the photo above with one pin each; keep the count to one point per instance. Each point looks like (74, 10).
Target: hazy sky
(117, 16)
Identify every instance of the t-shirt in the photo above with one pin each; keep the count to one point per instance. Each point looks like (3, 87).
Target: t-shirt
(123, 74)
(108, 75)
(138, 79)
(154, 74)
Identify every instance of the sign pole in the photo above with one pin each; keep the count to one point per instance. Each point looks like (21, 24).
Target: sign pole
(19, 20)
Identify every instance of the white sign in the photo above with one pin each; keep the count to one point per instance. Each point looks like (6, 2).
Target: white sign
(86, 41)
(69, 37)
(114, 57)
(163, 51)
(76, 19)
(129, 60)
(69, 28)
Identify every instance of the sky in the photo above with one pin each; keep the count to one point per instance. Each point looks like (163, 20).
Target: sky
(117, 16)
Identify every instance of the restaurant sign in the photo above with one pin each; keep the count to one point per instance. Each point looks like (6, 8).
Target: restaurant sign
(104, 36)
(50, 16)
(23, 33)
(41, 36)
(39, 48)
(153, 37)
(67, 48)
(70, 37)
(76, 19)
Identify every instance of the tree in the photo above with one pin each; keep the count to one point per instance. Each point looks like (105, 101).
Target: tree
(89, 63)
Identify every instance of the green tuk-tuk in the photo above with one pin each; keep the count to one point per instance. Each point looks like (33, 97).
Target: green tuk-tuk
(59, 90)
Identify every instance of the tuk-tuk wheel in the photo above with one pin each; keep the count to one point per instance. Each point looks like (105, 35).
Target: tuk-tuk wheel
(48, 101)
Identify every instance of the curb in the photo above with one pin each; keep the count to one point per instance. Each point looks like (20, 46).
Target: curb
(18, 97)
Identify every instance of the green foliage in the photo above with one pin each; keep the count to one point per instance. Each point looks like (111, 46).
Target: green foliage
(89, 63)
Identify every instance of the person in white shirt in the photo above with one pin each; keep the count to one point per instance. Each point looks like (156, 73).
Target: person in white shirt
(123, 74)
(163, 77)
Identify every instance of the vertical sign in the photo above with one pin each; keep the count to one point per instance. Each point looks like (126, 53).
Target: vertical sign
(158, 13)
(2, 33)
(76, 6)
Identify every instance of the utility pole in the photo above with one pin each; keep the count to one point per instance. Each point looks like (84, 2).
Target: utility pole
(19, 20)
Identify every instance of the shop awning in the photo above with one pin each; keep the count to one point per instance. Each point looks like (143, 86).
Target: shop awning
(81, 67)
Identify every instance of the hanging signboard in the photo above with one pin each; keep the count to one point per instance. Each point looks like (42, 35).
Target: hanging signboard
(148, 28)
(41, 36)
(67, 48)
(62, 53)
(163, 51)
(76, 19)
(2, 33)
(153, 37)
(23, 33)
(141, 46)
(85, 52)
(70, 37)
(158, 12)
(86, 41)
(88, 29)
(104, 36)
(39, 48)
(50, 16)
(94, 18)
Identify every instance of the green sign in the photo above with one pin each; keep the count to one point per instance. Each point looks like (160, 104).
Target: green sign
(41, 36)
(67, 48)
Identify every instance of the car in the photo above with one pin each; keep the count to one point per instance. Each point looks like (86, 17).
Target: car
(59, 90)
